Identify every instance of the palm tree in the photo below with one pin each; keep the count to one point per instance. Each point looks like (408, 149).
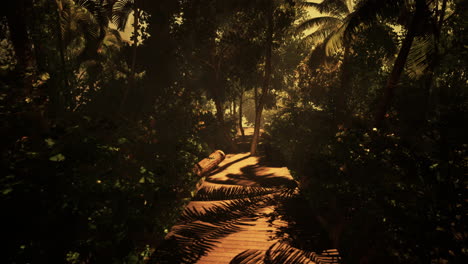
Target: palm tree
(421, 20)
(337, 30)
(82, 26)
(121, 11)
(330, 36)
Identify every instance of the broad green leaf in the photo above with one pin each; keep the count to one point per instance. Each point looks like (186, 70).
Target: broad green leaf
(57, 158)
(50, 142)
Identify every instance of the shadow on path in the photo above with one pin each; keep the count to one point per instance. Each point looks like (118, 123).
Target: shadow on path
(252, 175)
(227, 165)
(246, 212)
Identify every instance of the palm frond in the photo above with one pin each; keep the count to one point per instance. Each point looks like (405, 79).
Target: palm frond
(318, 21)
(191, 241)
(328, 256)
(321, 33)
(310, 4)
(213, 193)
(121, 12)
(76, 22)
(335, 7)
(226, 210)
(370, 12)
(419, 56)
(335, 40)
(98, 9)
(285, 253)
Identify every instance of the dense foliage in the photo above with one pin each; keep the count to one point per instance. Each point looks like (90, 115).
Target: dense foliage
(100, 130)
(86, 175)
(395, 193)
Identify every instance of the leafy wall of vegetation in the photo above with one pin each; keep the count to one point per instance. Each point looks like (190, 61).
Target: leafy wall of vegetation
(394, 192)
(99, 134)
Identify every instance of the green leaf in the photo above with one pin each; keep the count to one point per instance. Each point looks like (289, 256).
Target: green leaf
(142, 180)
(57, 158)
(122, 141)
(50, 142)
(7, 191)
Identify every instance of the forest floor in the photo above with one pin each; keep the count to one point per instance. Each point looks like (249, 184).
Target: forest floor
(261, 230)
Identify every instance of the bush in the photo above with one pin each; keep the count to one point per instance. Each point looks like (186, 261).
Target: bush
(382, 197)
(93, 189)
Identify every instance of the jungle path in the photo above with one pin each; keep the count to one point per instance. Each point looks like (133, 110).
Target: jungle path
(232, 217)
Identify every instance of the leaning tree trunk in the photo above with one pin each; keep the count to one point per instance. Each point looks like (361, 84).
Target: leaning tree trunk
(399, 64)
(266, 81)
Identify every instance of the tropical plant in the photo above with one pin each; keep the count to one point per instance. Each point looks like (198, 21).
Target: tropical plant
(121, 11)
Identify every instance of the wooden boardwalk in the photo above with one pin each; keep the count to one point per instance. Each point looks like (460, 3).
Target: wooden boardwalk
(229, 220)
(258, 235)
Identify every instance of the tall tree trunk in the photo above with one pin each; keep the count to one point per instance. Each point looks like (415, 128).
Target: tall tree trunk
(429, 72)
(234, 106)
(266, 80)
(240, 113)
(219, 109)
(57, 100)
(399, 64)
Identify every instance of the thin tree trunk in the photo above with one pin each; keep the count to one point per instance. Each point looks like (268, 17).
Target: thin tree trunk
(132, 77)
(59, 99)
(255, 98)
(220, 113)
(266, 81)
(430, 70)
(234, 106)
(399, 65)
(240, 113)
(219, 109)
(341, 108)
(136, 18)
